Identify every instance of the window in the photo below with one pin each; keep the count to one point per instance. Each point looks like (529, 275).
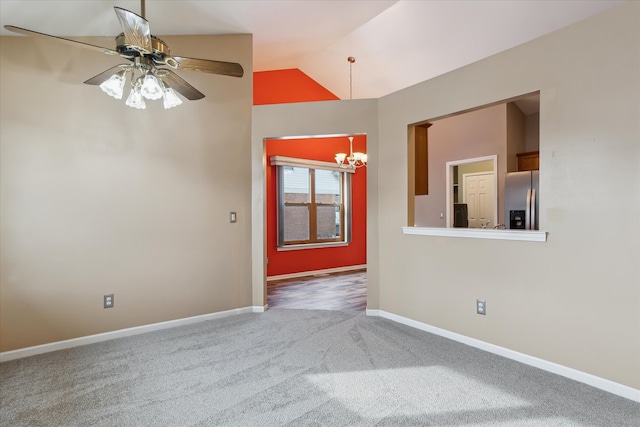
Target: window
(313, 202)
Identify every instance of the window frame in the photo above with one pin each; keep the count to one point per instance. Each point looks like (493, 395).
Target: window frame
(345, 203)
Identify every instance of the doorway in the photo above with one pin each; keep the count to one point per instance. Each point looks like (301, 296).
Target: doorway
(485, 199)
(313, 275)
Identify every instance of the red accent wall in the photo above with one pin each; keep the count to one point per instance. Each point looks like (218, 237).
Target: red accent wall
(289, 86)
(324, 149)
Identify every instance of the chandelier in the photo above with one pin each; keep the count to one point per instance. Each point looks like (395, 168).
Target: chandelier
(357, 159)
(147, 85)
(353, 160)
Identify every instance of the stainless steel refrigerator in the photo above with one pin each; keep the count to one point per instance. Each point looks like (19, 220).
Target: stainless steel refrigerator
(521, 200)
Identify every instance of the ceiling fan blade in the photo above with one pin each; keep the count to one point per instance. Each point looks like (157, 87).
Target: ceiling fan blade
(106, 75)
(61, 40)
(136, 29)
(178, 84)
(209, 66)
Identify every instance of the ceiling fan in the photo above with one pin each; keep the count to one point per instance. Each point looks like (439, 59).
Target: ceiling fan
(146, 53)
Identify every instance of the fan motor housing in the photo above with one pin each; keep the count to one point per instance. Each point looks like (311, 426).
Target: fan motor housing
(159, 47)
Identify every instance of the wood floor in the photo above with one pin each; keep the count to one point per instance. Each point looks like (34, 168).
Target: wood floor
(337, 291)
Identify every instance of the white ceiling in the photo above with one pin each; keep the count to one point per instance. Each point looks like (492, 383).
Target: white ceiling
(396, 43)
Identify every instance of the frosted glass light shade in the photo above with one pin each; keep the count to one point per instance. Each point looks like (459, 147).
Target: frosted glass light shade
(151, 88)
(170, 98)
(340, 157)
(135, 99)
(360, 157)
(115, 85)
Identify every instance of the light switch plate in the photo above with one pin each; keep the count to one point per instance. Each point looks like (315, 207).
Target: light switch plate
(233, 217)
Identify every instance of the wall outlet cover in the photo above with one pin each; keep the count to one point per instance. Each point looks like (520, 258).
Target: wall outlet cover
(481, 306)
(108, 301)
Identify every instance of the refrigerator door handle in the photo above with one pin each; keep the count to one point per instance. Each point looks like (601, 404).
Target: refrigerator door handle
(527, 213)
(533, 209)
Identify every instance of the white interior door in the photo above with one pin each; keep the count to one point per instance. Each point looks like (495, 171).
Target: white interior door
(478, 192)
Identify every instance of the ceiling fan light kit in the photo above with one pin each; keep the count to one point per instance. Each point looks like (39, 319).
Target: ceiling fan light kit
(147, 54)
(147, 85)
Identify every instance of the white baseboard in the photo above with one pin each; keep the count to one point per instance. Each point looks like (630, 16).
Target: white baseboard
(90, 339)
(316, 272)
(583, 377)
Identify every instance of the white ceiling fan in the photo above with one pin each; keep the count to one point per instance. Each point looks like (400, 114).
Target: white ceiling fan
(146, 54)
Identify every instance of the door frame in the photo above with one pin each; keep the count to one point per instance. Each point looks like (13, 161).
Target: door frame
(449, 184)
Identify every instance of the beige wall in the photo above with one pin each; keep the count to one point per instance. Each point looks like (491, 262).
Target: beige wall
(532, 132)
(575, 299)
(515, 136)
(100, 198)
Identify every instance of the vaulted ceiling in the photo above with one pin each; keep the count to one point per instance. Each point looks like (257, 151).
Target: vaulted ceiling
(395, 43)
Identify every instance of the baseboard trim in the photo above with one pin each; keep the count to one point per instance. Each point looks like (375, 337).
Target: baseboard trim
(106, 336)
(583, 377)
(316, 272)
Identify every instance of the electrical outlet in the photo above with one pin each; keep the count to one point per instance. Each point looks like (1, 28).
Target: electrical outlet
(481, 307)
(108, 301)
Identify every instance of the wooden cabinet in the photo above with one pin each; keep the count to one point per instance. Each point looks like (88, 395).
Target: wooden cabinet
(422, 160)
(528, 161)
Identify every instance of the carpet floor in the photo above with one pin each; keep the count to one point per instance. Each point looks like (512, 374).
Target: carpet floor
(296, 368)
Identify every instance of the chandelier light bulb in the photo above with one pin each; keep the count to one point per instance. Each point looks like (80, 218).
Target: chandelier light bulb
(170, 99)
(151, 88)
(115, 85)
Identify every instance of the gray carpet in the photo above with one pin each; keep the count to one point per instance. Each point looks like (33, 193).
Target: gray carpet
(298, 368)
